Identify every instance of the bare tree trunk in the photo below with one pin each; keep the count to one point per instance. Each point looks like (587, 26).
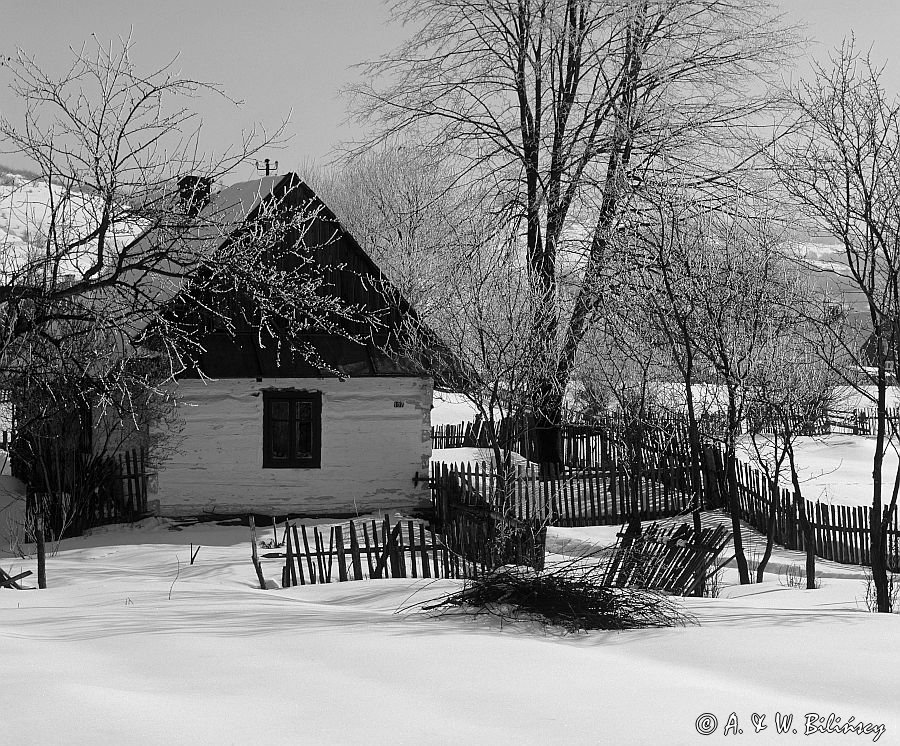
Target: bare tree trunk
(41, 550)
(634, 439)
(770, 530)
(696, 453)
(732, 481)
(809, 539)
(876, 537)
(548, 430)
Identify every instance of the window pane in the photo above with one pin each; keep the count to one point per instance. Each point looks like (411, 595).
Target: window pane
(303, 415)
(280, 429)
(304, 440)
(304, 411)
(293, 431)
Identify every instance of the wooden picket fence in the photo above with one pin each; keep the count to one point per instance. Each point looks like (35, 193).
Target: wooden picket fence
(363, 550)
(670, 558)
(87, 490)
(132, 477)
(841, 532)
(465, 434)
(864, 421)
(572, 497)
(594, 443)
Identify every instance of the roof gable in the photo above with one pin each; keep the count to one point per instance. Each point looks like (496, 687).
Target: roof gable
(349, 272)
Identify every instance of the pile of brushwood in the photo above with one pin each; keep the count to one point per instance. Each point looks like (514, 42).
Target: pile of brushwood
(570, 596)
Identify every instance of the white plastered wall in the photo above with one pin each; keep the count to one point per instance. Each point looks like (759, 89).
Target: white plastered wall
(375, 437)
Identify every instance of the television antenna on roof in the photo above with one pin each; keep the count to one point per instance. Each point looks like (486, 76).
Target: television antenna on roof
(267, 167)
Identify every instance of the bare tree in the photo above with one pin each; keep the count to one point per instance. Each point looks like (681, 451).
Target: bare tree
(624, 360)
(741, 284)
(669, 244)
(791, 392)
(398, 203)
(485, 351)
(842, 166)
(564, 107)
(133, 230)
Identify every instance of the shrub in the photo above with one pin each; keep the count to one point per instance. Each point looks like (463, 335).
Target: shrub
(569, 595)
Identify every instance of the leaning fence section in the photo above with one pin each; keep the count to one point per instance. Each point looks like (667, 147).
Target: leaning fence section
(669, 557)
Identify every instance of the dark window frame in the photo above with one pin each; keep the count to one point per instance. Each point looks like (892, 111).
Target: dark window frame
(314, 461)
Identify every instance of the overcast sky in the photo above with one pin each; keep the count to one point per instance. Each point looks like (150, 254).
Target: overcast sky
(293, 56)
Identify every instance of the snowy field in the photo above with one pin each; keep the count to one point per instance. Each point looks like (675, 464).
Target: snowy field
(133, 645)
(451, 409)
(836, 468)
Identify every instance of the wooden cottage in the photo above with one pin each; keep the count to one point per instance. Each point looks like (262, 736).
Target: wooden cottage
(274, 434)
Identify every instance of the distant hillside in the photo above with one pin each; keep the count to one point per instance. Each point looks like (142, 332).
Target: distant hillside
(25, 213)
(24, 210)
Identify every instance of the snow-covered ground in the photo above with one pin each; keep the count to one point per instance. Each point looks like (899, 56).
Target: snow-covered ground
(451, 409)
(132, 644)
(835, 468)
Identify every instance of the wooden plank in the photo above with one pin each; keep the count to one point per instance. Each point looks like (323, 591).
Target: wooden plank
(376, 571)
(434, 556)
(817, 528)
(833, 534)
(309, 564)
(398, 553)
(365, 529)
(845, 534)
(355, 559)
(11, 581)
(863, 514)
(320, 560)
(386, 550)
(342, 560)
(828, 544)
(412, 549)
(297, 548)
(426, 569)
(331, 552)
(291, 576)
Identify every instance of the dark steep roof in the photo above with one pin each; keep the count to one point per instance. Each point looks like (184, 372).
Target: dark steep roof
(350, 272)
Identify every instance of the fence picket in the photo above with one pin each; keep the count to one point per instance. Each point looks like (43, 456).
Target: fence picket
(339, 546)
(291, 575)
(309, 564)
